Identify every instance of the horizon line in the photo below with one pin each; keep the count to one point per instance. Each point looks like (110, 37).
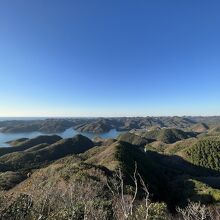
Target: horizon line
(132, 116)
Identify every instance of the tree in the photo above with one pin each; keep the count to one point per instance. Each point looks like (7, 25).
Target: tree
(194, 211)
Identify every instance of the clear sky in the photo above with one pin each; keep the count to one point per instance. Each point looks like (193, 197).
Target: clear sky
(109, 57)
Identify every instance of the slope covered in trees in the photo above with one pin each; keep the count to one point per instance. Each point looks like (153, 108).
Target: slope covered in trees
(19, 145)
(205, 153)
(167, 135)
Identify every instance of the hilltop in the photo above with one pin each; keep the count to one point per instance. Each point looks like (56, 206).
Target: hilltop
(166, 135)
(23, 144)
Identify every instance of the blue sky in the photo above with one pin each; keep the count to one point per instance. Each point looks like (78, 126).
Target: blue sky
(109, 58)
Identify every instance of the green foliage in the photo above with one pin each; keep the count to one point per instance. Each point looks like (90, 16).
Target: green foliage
(168, 135)
(9, 179)
(205, 153)
(133, 139)
(178, 146)
(42, 155)
(157, 211)
(200, 128)
(24, 145)
(169, 178)
(154, 177)
(20, 208)
(99, 126)
(202, 189)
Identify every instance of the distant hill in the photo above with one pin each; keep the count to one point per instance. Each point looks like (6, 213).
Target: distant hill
(46, 126)
(25, 144)
(209, 120)
(37, 147)
(133, 139)
(200, 128)
(167, 135)
(148, 122)
(102, 141)
(17, 142)
(94, 125)
(42, 154)
(214, 130)
(178, 146)
(100, 126)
